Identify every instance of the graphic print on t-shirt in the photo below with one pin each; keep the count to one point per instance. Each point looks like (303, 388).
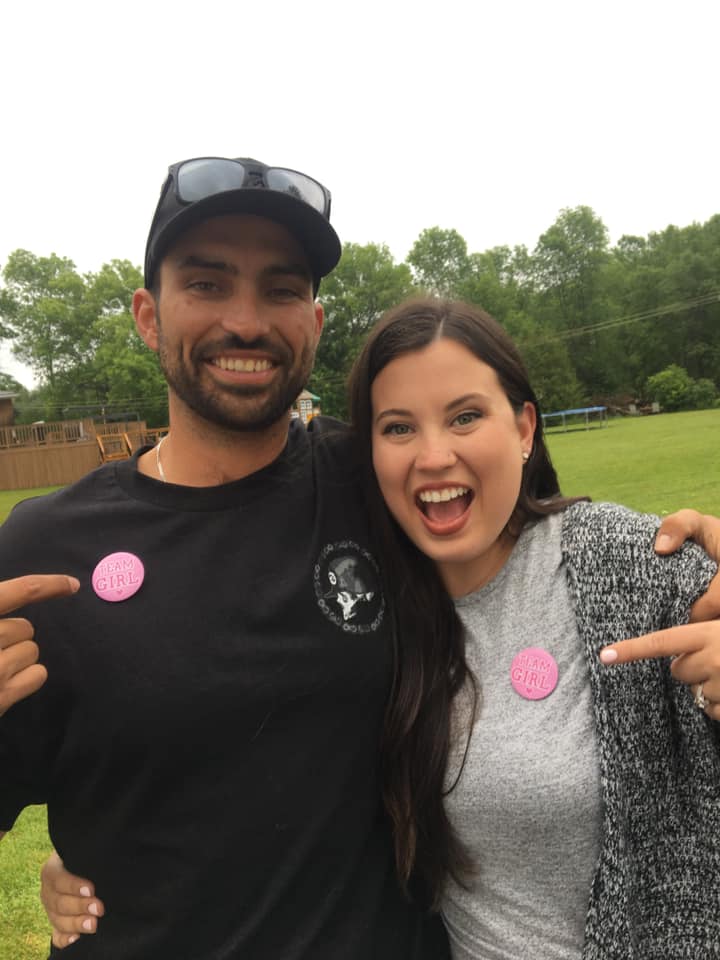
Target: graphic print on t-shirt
(347, 587)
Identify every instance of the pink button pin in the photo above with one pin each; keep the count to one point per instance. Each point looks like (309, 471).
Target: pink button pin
(534, 673)
(118, 576)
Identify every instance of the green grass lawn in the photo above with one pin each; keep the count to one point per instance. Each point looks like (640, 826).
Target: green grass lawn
(24, 928)
(656, 464)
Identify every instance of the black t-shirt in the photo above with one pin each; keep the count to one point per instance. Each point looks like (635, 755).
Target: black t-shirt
(207, 747)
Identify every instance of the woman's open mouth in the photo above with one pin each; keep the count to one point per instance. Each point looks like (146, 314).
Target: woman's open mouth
(444, 508)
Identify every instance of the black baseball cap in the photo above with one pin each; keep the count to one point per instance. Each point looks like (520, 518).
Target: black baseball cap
(205, 187)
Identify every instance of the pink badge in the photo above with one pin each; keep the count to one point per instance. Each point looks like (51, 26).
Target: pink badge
(534, 673)
(118, 576)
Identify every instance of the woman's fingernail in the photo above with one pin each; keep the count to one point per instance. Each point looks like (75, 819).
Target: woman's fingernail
(608, 656)
(87, 924)
(663, 541)
(93, 909)
(73, 938)
(85, 892)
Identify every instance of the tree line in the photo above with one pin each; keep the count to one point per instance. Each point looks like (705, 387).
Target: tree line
(638, 322)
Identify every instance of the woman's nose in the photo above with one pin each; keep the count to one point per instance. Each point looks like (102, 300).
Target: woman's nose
(435, 456)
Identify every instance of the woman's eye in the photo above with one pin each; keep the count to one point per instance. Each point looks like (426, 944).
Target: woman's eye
(397, 429)
(467, 417)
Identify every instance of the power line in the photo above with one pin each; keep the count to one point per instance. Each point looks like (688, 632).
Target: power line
(679, 307)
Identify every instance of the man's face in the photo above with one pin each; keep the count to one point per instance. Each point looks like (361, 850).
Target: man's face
(235, 324)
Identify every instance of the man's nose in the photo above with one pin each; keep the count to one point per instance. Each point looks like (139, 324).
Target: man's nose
(245, 316)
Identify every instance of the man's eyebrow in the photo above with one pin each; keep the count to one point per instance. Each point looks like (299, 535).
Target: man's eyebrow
(288, 269)
(193, 260)
(284, 269)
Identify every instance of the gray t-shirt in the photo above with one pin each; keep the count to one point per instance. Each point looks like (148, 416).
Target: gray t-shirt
(528, 802)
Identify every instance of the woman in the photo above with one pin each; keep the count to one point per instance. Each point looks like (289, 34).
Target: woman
(554, 806)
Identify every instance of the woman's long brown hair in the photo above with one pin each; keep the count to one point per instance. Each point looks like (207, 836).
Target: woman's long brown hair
(429, 643)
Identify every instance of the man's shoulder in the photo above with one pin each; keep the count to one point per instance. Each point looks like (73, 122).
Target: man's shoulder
(50, 507)
(334, 450)
(330, 429)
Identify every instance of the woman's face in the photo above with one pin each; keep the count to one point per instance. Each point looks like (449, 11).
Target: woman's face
(448, 454)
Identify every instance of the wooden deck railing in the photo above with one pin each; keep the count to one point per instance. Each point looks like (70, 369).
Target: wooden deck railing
(38, 434)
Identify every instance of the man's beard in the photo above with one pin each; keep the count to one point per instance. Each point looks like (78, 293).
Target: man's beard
(241, 408)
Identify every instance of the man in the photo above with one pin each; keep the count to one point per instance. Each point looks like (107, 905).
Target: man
(207, 740)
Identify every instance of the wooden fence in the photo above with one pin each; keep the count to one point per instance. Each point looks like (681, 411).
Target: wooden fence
(53, 465)
(55, 454)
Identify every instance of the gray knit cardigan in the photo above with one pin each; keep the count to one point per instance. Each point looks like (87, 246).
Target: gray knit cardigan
(656, 891)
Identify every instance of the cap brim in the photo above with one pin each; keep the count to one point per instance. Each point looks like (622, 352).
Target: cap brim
(311, 229)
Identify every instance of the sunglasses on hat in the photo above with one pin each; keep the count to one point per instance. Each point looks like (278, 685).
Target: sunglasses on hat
(206, 176)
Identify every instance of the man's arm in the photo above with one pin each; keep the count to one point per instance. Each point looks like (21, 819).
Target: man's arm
(20, 673)
(704, 529)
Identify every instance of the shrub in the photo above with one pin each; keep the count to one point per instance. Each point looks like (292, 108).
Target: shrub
(671, 387)
(702, 394)
(674, 389)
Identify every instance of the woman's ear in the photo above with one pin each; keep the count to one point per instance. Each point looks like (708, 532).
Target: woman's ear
(527, 422)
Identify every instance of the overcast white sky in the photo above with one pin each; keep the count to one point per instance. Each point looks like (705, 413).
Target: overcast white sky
(484, 117)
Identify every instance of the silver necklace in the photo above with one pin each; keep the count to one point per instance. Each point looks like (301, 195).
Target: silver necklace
(160, 470)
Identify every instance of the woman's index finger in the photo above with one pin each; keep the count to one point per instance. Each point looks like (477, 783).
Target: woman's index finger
(662, 643)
